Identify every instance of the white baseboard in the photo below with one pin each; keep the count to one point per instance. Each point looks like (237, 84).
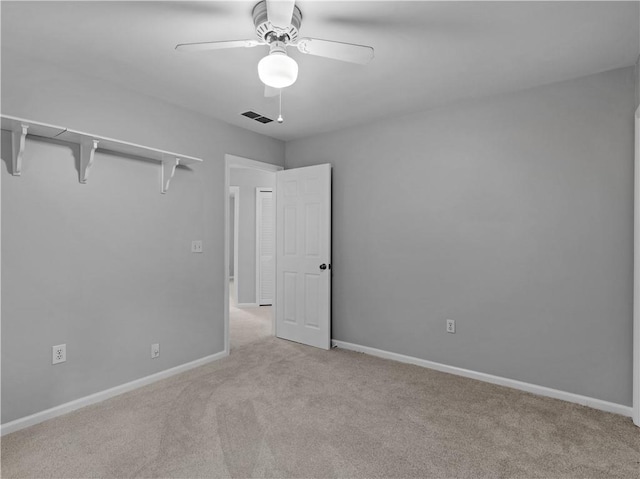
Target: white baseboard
(489, 378)
(247, 305)
(65, 408)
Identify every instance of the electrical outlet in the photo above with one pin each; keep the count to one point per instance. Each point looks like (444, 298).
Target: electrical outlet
(58, 354)
(196, 246)
(451, 326)
(155, 351)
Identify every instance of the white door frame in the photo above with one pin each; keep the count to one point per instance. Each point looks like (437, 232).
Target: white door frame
(636, 276)
(233, 161)
(259, 190)
(235, 192)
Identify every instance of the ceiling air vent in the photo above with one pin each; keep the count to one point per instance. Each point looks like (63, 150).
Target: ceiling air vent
(264, 119)
(256, 116)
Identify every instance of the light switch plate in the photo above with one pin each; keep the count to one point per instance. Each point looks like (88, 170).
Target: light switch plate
(196, 246)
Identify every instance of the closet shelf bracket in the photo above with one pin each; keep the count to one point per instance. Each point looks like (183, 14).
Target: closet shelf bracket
(87, 154)
(19, 135)
(167, 170)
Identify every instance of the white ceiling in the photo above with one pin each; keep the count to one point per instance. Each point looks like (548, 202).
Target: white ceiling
(426, 53)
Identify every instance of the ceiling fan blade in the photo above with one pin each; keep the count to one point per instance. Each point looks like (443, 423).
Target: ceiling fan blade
(270, 92)
(346, 52)
(279, 12)
(203, 46)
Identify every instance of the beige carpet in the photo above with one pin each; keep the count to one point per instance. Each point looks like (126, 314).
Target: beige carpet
(279, 409)
(247, 325)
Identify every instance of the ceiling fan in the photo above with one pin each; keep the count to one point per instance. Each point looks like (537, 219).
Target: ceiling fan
(277, 23)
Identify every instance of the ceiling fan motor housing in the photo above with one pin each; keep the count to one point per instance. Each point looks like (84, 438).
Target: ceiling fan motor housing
(266, 32)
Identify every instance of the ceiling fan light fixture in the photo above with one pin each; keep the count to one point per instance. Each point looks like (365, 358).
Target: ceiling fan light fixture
(278, 70)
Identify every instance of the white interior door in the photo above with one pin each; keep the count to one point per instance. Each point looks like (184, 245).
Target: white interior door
(303, 255)
(265, 242)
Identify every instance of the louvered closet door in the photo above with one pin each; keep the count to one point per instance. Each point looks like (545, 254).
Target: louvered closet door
(265, 248)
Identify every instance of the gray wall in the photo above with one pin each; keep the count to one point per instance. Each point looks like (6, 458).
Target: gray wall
(248, 180)
(512, 215)
(106, 267)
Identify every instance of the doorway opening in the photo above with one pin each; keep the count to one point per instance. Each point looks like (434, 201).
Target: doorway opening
(249, 251)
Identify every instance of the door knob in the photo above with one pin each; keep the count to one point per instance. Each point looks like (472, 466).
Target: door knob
(323, 266)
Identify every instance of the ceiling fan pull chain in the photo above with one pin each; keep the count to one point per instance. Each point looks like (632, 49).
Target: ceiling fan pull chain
(280, 119)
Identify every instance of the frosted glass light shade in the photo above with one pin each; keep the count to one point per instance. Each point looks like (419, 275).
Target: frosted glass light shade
(278, 70)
